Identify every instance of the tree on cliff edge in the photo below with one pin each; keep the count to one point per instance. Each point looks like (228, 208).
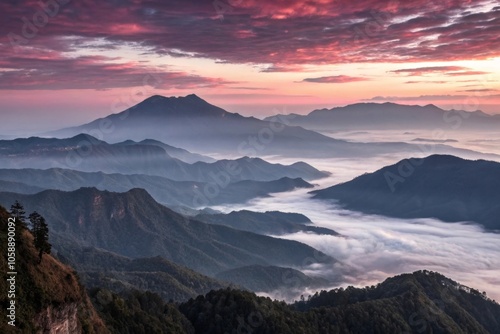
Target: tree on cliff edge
(40, 231)
(17, 211)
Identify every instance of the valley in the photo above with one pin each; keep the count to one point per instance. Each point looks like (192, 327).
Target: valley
(147, 216)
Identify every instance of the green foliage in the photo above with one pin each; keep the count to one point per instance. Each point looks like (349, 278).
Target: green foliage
(49, 284)
(40, 231)
(422, 302)
(17, 211)
(139, 313)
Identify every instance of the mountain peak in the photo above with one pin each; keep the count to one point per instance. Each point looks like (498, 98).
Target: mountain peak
(175, 106)
(161, 98)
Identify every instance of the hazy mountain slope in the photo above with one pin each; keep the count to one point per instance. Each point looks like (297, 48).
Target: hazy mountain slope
(174, 152)
(270, 223)
(163, 190)
(134, 225)
(239, 191)
(271, 278)
(19, 187)
(421, 302)
(101, 269)
(192, 123)
(48, 296)
(88, 154)
(391, 116)
(439, 186)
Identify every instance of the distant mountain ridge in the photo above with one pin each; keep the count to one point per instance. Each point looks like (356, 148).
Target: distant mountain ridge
(165, 191)
(390, 116)
(192, 123)
(269, 223)
(439, 186)
(89, 154)
(174, 152)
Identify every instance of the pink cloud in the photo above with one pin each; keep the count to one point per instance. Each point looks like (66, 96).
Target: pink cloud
(335, 79)
(287, 34)
(49, 70)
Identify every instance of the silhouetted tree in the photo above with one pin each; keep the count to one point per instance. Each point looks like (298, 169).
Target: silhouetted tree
(17, 211)
(40, 231)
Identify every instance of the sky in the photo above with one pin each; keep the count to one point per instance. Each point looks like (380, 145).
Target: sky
(65, 62)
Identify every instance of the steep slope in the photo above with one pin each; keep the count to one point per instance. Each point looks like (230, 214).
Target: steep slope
(101, 269)
(270, 223)
(48, 296)
(390, 116)
(88, 154)
(134, 225)
(439, 186)
(163, 190)
(422, 302)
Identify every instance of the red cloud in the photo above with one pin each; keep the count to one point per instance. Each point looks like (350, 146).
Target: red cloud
(54, 71)
(287, 34)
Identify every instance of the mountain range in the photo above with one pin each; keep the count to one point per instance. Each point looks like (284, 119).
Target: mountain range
(390, 116)
(163, 190)
(133, 224)
(88, 154)
(410, 303)
(439, 186)
(194, 124)
(421, 302)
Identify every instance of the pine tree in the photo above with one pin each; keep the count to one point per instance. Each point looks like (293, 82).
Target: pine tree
(17, 211)
(40, 231)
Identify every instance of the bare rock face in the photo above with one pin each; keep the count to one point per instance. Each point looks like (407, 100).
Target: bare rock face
(59, 320)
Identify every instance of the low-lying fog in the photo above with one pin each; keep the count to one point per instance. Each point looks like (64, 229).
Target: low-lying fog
(376, 247)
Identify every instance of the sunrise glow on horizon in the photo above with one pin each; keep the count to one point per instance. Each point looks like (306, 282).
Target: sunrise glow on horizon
(76, 61)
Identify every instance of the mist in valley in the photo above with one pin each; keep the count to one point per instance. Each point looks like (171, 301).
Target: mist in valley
(374, 247)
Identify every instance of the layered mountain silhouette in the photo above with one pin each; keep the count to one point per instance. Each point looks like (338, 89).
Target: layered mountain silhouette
(391, 116)
(174, 152)
(133, 224)
(270, 223)
(163, 190)
(88, 154)
(271, 278)
(439, 186)
(192, 123)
